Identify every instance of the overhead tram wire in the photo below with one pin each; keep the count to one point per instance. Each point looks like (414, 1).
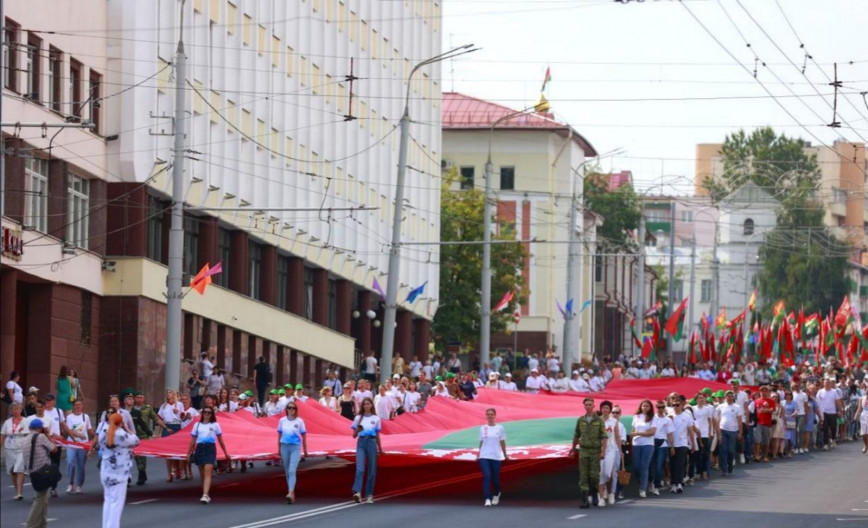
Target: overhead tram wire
(764, 87)
(775, 44)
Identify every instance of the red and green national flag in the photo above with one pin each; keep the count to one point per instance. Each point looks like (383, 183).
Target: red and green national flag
(675, 324)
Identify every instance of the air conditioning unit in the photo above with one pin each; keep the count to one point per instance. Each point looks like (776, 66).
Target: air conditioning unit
(446, 164)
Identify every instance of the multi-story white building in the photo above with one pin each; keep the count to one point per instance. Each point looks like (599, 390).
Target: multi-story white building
(291, 154)
(537, 165)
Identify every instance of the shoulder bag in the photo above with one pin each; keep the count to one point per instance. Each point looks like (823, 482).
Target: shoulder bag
(46, 476)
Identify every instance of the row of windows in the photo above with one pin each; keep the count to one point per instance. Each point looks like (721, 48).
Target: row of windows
(507, 178)
(60, 91)
(36, 202)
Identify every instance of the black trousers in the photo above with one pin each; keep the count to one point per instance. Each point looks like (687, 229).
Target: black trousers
(678, 464)
(830, 427)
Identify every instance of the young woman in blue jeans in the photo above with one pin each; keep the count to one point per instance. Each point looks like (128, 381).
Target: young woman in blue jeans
(292, 442)
(492, 451)
(642, 434)
(366, 427)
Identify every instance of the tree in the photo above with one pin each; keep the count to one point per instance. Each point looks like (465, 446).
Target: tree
(461, 219)
(619, 208)
(803, 263)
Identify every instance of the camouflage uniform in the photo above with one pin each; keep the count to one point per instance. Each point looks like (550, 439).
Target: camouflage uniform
(590, 436)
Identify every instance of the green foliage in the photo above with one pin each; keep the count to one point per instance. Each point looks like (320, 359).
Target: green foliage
(620, 210)
(802, 262)
(458, 315)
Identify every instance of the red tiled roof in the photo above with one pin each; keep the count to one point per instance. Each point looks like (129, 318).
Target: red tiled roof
(617, 179)
(462, 112)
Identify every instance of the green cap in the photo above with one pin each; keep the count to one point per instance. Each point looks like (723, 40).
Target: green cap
(706, 391)
(129, 391)
(281, 392)
(248, 392)
(450, 375)
(719, 394)
(299, 387)
(138, 393)
(274, 391)
(288, 386)
(438, 378)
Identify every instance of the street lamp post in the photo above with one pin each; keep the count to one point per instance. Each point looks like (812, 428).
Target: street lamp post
(485, 303)
(390, 315)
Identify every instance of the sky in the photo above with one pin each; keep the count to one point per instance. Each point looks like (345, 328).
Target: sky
(646, 77)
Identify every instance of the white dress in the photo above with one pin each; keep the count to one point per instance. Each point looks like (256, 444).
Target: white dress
(114, 472)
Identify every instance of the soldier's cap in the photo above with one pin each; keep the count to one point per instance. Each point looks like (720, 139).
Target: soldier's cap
(706, 391)
(138, 393)
(129, 391)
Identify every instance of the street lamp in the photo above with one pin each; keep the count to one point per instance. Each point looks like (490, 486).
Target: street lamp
(395, 249)
(485, 307)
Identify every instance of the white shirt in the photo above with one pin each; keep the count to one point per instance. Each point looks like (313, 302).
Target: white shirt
(370, 365)
(560, 385)
(554, 365)
(729, 415)
(613, 437)
(640, 425)
(17, 391)
(273, 408)
(329, 403)
(681, 423)
(597, 383)
(664, 429)
(801, 399)
(385, 405)
(703, 416)
(490, 437)
(508, 385)
(411, 401)
(668, 372)
(168, 414)
(826, 399)
(429, 371)
(55, 416)
(533, 384)
(291, 431)
(206, 433)
(580, 385)
(706, 375)
(415, 368)
(205, 368)
(80, 425)
(368, 425)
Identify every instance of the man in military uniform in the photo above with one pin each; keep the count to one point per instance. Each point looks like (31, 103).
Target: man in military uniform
(145, 419)
(590, 437)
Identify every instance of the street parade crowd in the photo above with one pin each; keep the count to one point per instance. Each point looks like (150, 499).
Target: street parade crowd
(768, 413)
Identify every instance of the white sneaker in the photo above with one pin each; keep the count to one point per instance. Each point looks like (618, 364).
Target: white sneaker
(642, 494)
(495, 500)
(78, 489)
(205, 499)
(741, 459)
(612, 497)
(601, 501)
(69, 489)
(655, 491)
(370, 499)
(487, 503)
(825, 448)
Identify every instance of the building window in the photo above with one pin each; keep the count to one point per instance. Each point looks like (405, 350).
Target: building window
(191, 247)
(10, 55)
(36, 199)
(598, 268)
(748, 227)
(254, 257)
(705, 293)
(282, 281)
(86, 310)
(224, 247)
(55, 79)
(75, 88)
(467, 177)
(687, 216)
(33, 58)
(333, 306)
(678, 291)
(94, 101)
(155, 229)
(507, 178)
(77, 213)
(307, 294)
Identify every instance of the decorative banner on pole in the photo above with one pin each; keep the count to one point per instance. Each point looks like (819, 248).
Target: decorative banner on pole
(379, 289)
(586, 304)
(416, 292)
(203, 278)
(504, 301)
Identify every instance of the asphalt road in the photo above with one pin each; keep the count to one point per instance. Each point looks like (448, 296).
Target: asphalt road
(821, 490)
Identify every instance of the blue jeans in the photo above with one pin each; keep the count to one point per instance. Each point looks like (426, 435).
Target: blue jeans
(661, 456)
(727, 450)
(490, 476)
(366, 457)
(290, 454)
(642, 462)
(75, 462)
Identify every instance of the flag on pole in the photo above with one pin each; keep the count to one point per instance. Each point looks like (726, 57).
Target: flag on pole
(586, 304)
(203, 278)
(379, 289)
(751, 304)
(653, 310)
(547, 79)
(675, 324)
(568, 308)
(504, 301)
(561, 308)
(636, 340)
(416, 292)
(720, 322)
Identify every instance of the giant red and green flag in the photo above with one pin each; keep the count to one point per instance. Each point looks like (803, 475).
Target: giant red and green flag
(675, 323)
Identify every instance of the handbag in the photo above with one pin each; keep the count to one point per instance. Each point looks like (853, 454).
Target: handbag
(45, 477)
(624, 477)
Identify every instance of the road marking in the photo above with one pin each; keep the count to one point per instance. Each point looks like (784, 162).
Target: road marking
(143, 502)
(574, 517)
(860, 519)
(860, 509)
(344, 505)
(49, 520)
(628, 501)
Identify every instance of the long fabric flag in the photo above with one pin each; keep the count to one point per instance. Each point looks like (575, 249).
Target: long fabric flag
(203, 278)
(561, 308)
(379, 289)
(586, 304)
(547, 79)
(675, 324)
(416, 292)
(504, 301)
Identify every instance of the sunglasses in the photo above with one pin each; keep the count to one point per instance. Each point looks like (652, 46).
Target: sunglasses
(292, 408)
(616, 412)
(207, 412)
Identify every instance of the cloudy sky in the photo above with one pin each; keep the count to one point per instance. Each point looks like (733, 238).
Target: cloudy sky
(648, 78)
